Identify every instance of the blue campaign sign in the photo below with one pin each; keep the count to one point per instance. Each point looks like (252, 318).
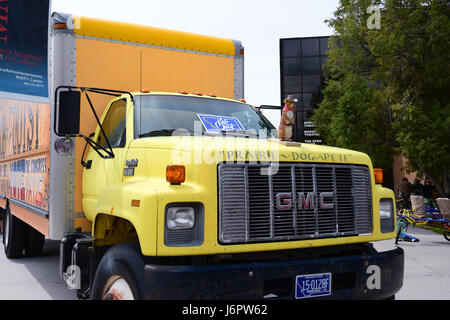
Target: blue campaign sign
(216, 124)
(24, 46)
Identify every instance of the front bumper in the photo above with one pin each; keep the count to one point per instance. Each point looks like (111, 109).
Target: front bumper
(276, 279)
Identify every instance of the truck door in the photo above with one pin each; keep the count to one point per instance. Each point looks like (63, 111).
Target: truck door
(109, 171)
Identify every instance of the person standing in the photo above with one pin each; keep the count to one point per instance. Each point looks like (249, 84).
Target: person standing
(427, 192)
(417, 187)
(404, 192)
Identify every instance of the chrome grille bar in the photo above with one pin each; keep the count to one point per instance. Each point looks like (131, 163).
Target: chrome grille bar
(248, 209)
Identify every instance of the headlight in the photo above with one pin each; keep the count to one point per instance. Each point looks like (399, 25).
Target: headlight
(184, 224)
(180, 218)
(386, 215)
(386, 209)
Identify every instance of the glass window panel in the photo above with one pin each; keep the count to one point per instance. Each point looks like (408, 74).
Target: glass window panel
(114, 125)
(307, 97)
(291, 48)
(311, 83)
(323, 60)
(311, 65)
(163, 115)
(292, 84)
(310, 47)
(323, 46)
(291, 66)
(308, 110)
(299, 118)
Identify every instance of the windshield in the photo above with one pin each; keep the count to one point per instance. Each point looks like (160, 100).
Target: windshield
(164, 115)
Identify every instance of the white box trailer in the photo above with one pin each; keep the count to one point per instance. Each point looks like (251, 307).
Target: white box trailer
(41, 187)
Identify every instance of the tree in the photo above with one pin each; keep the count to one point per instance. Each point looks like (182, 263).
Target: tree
(387, 89)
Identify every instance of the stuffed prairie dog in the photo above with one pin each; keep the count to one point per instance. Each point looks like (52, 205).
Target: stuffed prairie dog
(285, 130)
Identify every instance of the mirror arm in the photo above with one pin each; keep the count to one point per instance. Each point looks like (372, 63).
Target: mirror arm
(88, 163)
(109, 92)
(109, 150)
(89, 140)
(94, 145)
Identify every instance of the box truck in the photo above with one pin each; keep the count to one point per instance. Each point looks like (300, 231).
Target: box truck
(162, 182)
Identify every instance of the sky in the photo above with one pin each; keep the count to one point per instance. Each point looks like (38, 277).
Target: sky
(258, 24)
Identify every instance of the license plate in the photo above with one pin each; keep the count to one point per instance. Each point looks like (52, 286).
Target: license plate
(312, 285)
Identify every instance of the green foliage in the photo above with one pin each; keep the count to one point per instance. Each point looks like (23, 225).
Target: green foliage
(387, 90)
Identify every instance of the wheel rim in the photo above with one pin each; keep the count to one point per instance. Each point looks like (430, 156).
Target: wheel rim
(117, 288)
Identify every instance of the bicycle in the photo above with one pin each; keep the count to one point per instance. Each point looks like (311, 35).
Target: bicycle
(430, 219)
(435, 222)
(403, 221)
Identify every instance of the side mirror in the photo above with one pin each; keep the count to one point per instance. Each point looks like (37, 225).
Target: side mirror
(67, 115)
(66, 121)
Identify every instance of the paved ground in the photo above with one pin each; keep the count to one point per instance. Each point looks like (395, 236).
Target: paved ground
(427, 266)
(427, 271)
(33, 278)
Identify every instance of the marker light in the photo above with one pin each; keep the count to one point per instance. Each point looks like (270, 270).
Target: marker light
(175, 174)
(135, 203)
(59, 26)
(378, 173)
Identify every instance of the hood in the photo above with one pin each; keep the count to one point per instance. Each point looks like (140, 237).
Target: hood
(245, 149)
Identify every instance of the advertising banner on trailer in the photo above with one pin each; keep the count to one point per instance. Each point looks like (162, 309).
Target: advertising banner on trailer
(24, 151)
(24, 47)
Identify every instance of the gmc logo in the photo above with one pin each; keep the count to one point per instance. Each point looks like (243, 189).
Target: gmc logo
(285, 201)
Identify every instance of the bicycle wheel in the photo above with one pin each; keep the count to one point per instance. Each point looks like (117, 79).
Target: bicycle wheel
(402, 225)
(446, 232)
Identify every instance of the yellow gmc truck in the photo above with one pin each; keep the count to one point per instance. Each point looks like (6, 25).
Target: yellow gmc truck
(162, 182)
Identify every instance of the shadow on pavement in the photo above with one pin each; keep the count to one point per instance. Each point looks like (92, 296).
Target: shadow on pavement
(45, 271)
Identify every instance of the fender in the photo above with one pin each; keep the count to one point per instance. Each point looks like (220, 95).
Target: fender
(379, 192)
(135, 204)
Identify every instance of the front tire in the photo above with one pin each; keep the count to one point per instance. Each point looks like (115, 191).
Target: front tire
(13, 235)
(120, 274)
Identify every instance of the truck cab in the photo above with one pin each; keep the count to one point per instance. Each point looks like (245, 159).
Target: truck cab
(199, 194)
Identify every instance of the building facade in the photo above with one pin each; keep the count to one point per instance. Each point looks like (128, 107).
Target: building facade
(301, 74)
(301, 65)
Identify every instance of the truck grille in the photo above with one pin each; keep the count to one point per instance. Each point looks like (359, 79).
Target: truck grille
(299, 201)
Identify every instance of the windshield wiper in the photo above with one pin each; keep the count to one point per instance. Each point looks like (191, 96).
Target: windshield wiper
(169, 132)
(164, 132)
(237, 133)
